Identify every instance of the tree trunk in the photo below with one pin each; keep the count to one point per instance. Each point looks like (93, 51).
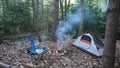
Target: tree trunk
(55, 18)
(37, 19)
(81, 15)
(47, 23)
(33, 6)
(110, 34)
(69, 5)
(61, 7)
(42, 10)
(28, 4)
(37, 11)
(3, 6)
(65, 6)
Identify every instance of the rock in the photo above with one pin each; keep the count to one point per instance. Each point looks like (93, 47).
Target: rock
(9, 59)
(29, 65)
(21, 66)
(26, 51)
(13, 67)
(91, 66)
(42, 65)
(1, 56)
(117, 64)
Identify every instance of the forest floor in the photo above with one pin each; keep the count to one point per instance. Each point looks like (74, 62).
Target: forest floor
(17, 56)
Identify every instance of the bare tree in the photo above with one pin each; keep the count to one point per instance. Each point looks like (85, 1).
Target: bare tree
(110, 34)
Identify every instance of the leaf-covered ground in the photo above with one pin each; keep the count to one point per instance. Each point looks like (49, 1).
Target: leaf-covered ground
(17, 56)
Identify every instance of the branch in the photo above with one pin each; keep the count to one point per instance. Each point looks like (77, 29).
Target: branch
(3, 65)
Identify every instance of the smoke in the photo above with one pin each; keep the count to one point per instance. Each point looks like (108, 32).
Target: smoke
(68, 27)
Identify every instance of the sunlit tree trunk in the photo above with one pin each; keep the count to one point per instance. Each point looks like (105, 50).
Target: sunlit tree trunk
(108, 59)
(55, 17)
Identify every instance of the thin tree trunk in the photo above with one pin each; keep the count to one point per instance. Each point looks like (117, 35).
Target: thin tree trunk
(37, 11)
(35, 4)
(61, 7)
(47, 22)
(108, 59)
(81, 16)
(68, 4)
(6, 6)
(28, 4)
(3, 7)
(42, 10)
(37, 19)
(33, 10)
(55, 18)
(65, 6)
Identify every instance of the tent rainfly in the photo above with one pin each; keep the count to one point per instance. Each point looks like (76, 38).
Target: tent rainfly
(90, 43)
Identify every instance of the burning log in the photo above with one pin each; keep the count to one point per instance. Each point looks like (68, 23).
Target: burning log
(3, 65)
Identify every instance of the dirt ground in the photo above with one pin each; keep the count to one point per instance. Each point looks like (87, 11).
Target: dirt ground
(17, 56)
